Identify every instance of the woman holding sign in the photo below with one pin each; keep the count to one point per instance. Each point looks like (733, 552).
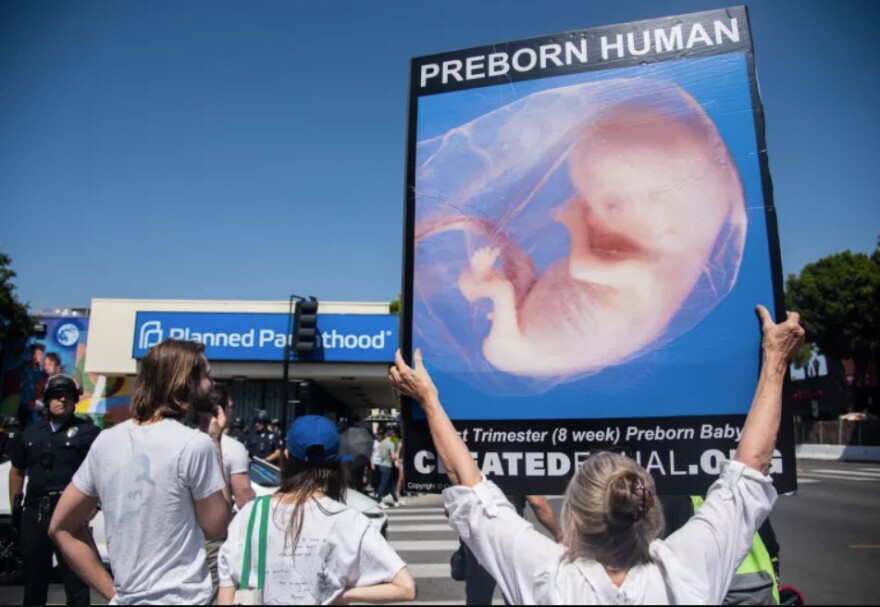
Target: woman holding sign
(611, 551)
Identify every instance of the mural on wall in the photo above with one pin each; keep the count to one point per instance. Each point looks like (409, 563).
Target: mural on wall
(60, 349)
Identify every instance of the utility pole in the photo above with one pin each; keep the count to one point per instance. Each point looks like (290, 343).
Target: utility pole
(301, 340)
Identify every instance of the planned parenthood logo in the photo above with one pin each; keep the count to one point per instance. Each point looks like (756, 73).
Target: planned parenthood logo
(150, 334)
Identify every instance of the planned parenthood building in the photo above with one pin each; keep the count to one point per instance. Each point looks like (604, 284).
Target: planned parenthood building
(244, 340)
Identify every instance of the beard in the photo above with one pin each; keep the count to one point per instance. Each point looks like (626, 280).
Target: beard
(200, 402)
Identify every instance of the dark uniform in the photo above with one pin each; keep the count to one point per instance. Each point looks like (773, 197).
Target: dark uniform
(50, 460)
(262, 444)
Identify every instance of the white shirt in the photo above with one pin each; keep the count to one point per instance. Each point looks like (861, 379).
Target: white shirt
(337, 549)
(376, 459)
(147, 478)
(235, 456)
(694, 565)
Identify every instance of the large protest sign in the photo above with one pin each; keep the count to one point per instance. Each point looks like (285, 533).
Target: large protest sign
(589, 226)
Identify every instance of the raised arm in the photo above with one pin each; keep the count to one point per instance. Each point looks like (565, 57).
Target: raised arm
(717, 538)
(416, 383)
(779, 342)
(505, 544)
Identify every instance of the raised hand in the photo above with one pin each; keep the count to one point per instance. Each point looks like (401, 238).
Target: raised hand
(414, 382)
(780, 341)
(217, 422)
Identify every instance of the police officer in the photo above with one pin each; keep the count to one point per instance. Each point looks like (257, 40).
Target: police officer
(261, 441)
(49, 452)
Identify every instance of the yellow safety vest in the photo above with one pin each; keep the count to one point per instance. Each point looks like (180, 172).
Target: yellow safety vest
(757, 561)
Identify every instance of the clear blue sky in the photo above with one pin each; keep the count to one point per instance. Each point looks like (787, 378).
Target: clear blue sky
(249, 150)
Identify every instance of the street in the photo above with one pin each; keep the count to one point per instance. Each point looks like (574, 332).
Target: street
(829, 535)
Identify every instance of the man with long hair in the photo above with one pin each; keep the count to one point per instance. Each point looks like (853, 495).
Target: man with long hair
(160, 484)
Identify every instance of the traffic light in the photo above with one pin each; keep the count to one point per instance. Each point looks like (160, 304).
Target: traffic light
(305, 326)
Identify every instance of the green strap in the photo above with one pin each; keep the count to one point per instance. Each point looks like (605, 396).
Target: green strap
(244, 579)
(261, 503)
(264, 531)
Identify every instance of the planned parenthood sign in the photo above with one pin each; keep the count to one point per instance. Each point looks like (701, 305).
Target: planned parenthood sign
(358, 338)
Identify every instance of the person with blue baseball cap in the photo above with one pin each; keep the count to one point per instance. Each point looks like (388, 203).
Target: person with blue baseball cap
(315, 550)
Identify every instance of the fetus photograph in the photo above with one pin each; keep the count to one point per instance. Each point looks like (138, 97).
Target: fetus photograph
(572, 230)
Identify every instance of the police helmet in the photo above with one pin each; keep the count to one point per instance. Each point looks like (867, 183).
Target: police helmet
(61, 385)
(238, 423)
(261, 416)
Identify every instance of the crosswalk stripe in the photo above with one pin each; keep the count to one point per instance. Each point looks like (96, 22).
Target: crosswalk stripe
(851, 473)
(401, 512)
(424, 545)
(422, 571)
(494, 602)
(806, 481)
(874, 469)
(420, 518)
(833, 477)
(398, 528)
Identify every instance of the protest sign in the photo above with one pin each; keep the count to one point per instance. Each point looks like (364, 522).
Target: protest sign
(589, 226)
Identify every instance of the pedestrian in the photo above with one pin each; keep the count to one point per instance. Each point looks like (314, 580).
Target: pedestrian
(479, 585)
(375, 472)
(48, 454)
(398, 466)
(611, 551)
(261, 441)
(319, 550)
(235, 473)
(160, 484)
(387, 449)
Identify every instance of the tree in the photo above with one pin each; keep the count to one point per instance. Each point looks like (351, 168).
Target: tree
(394, 306)
(838, 298)
(15, 321)
(802, 357)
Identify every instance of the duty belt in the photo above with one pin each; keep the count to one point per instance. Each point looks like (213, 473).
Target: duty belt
(42, 504)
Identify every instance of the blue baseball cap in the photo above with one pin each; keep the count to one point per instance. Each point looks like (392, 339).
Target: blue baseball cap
(314, 439)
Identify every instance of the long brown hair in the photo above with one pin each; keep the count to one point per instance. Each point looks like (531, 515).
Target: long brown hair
(610, 513)
(300, 481)
(164, 385)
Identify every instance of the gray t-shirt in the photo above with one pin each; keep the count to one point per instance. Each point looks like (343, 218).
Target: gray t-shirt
(147, 478)
(235, 456)
(386, 450)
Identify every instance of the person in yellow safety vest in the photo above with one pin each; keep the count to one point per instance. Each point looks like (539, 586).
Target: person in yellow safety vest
(755, 582)
(757, 579)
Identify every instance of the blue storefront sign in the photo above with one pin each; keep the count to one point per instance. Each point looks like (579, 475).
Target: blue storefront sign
(350, 338)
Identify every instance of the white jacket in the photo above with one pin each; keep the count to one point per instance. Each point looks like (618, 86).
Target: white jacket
(692, 566)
